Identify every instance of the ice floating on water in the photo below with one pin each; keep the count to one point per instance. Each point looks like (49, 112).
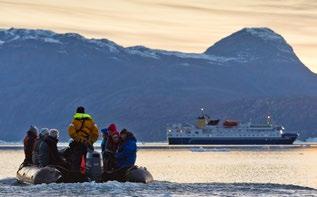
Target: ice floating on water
(9, 187)
(202, 149)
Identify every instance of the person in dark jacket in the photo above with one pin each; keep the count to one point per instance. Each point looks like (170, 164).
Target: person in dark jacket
(126, 155)
(28, 142)
(110, 148)
(48, 152)
(36, 149)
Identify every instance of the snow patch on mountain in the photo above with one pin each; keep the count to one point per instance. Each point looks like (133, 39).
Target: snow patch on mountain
(157, 54)
(51, 37)
(142, 52)
(26, 34)
(268, 35)
(211, 58)
(147, 54)
(104, 43)
(264, 33)
(52, 40)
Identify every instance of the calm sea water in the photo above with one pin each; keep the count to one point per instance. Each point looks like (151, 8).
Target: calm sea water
(261, 171)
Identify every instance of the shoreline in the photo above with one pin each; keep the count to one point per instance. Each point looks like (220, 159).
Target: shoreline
(197, 148)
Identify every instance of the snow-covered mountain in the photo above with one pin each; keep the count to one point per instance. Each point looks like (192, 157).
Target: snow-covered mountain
(45, 75)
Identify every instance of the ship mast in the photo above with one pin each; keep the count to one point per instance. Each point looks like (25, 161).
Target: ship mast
(269, 120)
(202, 112)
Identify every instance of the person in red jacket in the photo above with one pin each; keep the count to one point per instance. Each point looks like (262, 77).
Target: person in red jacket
(28, 142)
(111, 147)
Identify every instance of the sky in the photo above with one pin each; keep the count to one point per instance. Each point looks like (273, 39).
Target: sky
(180, 25)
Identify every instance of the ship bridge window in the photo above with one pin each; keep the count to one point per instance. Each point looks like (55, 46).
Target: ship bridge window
(196, 132)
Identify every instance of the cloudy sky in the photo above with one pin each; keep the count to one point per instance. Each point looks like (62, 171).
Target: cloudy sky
(183, 25)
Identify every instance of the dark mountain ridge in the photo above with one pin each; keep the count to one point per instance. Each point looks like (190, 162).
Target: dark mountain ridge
(45, 75)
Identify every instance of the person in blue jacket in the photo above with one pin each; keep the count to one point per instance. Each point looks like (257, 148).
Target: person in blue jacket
(126, 154)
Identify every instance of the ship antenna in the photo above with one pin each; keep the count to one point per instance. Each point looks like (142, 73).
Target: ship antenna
(269, 120)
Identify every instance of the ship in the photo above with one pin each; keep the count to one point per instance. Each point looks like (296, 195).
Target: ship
(228, 132)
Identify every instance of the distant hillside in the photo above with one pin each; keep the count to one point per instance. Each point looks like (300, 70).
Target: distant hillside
(45, 75)
(297, 114)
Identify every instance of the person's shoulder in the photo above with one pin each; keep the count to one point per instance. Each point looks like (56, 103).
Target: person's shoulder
(131, 141)
(89, 121)
(74, 122)
(132, 138)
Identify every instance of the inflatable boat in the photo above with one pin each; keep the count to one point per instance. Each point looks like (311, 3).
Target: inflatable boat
(138, 175)
(134, 174)
(36, 175)
(50, 174)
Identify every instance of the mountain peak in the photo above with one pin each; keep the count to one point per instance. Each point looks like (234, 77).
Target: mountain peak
(251, 42)
(262, 33)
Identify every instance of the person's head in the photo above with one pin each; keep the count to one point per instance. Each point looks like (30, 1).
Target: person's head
(104, 133)
(44, 132)
(54, 133)
(80, 110)
(124, 134)
(113, 133)
(33, 131)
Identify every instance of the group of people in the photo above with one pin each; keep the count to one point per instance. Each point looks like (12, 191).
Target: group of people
(41, 149)
(118, 152)
(118, 148)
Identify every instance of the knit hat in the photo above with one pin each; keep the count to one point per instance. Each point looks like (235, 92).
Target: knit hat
(54, 133)
(112, 130)
(33, 131)
(44, 131)
(80, 110)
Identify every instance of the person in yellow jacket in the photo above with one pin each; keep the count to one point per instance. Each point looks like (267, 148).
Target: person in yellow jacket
(84, 132)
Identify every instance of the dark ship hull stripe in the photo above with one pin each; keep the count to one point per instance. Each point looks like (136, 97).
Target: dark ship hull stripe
(232, 140)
